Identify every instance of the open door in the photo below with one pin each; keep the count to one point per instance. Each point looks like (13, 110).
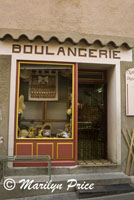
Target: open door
(92, 131)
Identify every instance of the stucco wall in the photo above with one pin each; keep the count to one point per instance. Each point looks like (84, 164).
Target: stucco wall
(127, 122)
(114, 17)
(4, 100)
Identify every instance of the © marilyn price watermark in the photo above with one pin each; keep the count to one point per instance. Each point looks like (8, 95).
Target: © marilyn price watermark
(10, 184)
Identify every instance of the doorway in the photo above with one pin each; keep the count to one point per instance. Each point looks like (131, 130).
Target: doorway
(92, 104)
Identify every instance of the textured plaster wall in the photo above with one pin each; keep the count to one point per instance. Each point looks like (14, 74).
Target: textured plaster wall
(107, 17)
(127, 122)
(5, 64)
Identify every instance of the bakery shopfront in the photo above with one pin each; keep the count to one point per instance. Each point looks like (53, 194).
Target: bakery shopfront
(65, 101)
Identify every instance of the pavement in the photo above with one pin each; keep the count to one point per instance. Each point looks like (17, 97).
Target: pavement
(70, 195)
(73, 196)
(113, 177)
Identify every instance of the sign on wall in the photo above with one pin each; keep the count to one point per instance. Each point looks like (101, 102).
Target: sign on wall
(130, 92)
(70, 52)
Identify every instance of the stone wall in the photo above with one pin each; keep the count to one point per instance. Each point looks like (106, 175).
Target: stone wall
(127, 122)
(114, 17)
(5, 65)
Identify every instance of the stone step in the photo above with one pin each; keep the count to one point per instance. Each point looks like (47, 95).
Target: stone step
(105, 190)
(61, 180)
(17, 171)
(73, 196)
(98, 178)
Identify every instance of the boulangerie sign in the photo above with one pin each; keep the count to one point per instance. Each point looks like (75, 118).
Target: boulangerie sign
(68, 51)
(130, 92)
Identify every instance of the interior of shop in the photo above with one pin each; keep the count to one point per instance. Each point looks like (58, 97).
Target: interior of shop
(92, 116)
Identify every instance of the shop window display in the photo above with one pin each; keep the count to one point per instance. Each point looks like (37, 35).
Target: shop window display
(44, 100)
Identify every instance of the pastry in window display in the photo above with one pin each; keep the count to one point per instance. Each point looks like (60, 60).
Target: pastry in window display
(68, 129)
(47, 130)
(65, 133)
(26, 75)
(69, 111)
(31, 132)
(44, 130)
(23, 133)
(46, 133)
(40, 133)
(22, 106)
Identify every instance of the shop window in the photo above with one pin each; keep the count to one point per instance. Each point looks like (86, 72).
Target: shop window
(45, 101)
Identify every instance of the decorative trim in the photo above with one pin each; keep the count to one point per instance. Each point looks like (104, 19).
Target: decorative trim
(37, 153)
(24, 144)
(66, 158)
(61, 37)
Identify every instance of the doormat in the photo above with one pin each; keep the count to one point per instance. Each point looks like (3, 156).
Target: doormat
(95, 162)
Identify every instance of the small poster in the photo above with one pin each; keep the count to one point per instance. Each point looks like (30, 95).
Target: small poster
(130, 92)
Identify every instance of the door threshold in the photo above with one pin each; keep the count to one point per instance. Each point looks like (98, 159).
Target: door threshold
(100, 162)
